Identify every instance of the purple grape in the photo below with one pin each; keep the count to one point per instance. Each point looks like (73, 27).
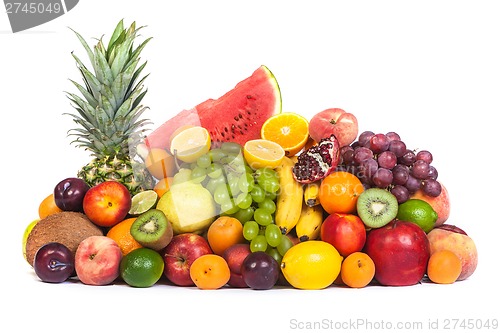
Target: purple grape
(400, 174)
(69, 193)
(412, 184)
(424, 155)
(420, 169)
(408, 158)
(362, 154)
(431, 187)
(397, 147)
(54, 262)
(387, 159)
(364, 138)
(393, 136)
(382, 177)
(347, 155)
(401, 193)
(260, 270)
(367, 169)
(433, 173)
(379, 143)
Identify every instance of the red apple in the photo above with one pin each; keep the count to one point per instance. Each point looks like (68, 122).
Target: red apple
(334, 121)
(450, 237)
(234, 255)
(97, 260)
(180, 253)
(346, 232)
(441, 204)
(400, 251)
(107, 203)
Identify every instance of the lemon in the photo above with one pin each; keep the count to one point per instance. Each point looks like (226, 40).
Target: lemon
(314, 264)
(261, 153)
(26, 233)
(143, 201)
(189, 144)
(419, 212)
(142, 267)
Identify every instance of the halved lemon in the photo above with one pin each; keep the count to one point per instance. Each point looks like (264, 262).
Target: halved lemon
(261, 153)
(189, 144)
(290, 130)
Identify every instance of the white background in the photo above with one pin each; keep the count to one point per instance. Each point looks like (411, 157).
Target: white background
(428, 70)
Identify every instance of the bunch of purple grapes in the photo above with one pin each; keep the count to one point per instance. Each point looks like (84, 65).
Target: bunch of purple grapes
(384, 161)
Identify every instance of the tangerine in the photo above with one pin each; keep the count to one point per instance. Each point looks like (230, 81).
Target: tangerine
(357, 270)
(339, 192)
(444, 267)
(48, 207)
(288, 129)
(210, 271)
(224, 232)
(120, 233)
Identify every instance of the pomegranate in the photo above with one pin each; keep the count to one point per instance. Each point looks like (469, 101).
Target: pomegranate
(318, 161)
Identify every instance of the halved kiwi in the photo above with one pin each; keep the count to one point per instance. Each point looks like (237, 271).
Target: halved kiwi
(377, 207)
(152, 229)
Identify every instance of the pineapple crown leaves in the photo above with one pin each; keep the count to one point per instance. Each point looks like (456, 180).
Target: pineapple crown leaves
(110, 110)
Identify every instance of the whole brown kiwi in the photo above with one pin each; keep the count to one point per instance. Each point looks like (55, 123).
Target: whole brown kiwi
(68, 228)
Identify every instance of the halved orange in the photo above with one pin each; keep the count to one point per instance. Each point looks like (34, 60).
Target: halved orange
(260, 153)
(290, 130)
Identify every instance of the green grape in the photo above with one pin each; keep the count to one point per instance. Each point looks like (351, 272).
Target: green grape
(182, 175)
(258, 194)
(244, 200)
(204, 161)
(268, 179)
(229, 207)
(273, 252)
(262, 217)
(273, 235)
(250, 230)
(258, 243)
(285, 244)
(214, 170)
(198, 174)
(221, 194)
(246, 182)
(216, 154)
(231, 147)
(214, 182)
(271, 196)
(233, 185)
(244, 214)
(268, 205)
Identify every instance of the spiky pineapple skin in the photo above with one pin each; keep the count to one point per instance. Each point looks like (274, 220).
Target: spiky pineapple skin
(132, 174)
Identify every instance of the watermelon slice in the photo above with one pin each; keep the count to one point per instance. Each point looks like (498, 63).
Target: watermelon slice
(237, 116)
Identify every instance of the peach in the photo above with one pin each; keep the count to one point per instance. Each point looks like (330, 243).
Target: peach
(450, 237)
(441, 204)
(234, 255)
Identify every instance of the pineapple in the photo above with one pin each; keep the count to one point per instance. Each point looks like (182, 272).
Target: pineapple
(109, 113)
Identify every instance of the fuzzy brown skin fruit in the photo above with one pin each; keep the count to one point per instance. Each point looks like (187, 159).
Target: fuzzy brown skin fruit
(446, 238)
(440, 204)
(67, 228)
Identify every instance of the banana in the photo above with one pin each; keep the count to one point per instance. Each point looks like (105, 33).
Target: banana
(290, 197)
(309, 225)
(311, 194)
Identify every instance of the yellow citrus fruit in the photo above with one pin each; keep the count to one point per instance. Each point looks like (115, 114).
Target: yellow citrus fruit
(314, 264)
(261, 153)
(290, 130)
(190, 143)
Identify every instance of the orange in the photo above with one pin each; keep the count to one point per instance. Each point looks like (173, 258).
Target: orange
(357, 270)
(290, 130)
(261, 153)
(163, 185)
(160, 163)
(120, 233)
(339, 192)
(224, 232)
(48, 207)
(444, 267)
(209, 271)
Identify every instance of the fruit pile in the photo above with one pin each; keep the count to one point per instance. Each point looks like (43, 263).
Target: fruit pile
(235, 193)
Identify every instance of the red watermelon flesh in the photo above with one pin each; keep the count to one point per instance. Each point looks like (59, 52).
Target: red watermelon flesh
(237, 116)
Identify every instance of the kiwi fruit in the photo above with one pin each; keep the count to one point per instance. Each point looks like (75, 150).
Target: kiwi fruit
(67, 228)
(377, 207)
(152, 229)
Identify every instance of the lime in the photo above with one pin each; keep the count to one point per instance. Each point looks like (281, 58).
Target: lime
(142, 267)
(419, 212)
(314, 264)
(143, 201)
